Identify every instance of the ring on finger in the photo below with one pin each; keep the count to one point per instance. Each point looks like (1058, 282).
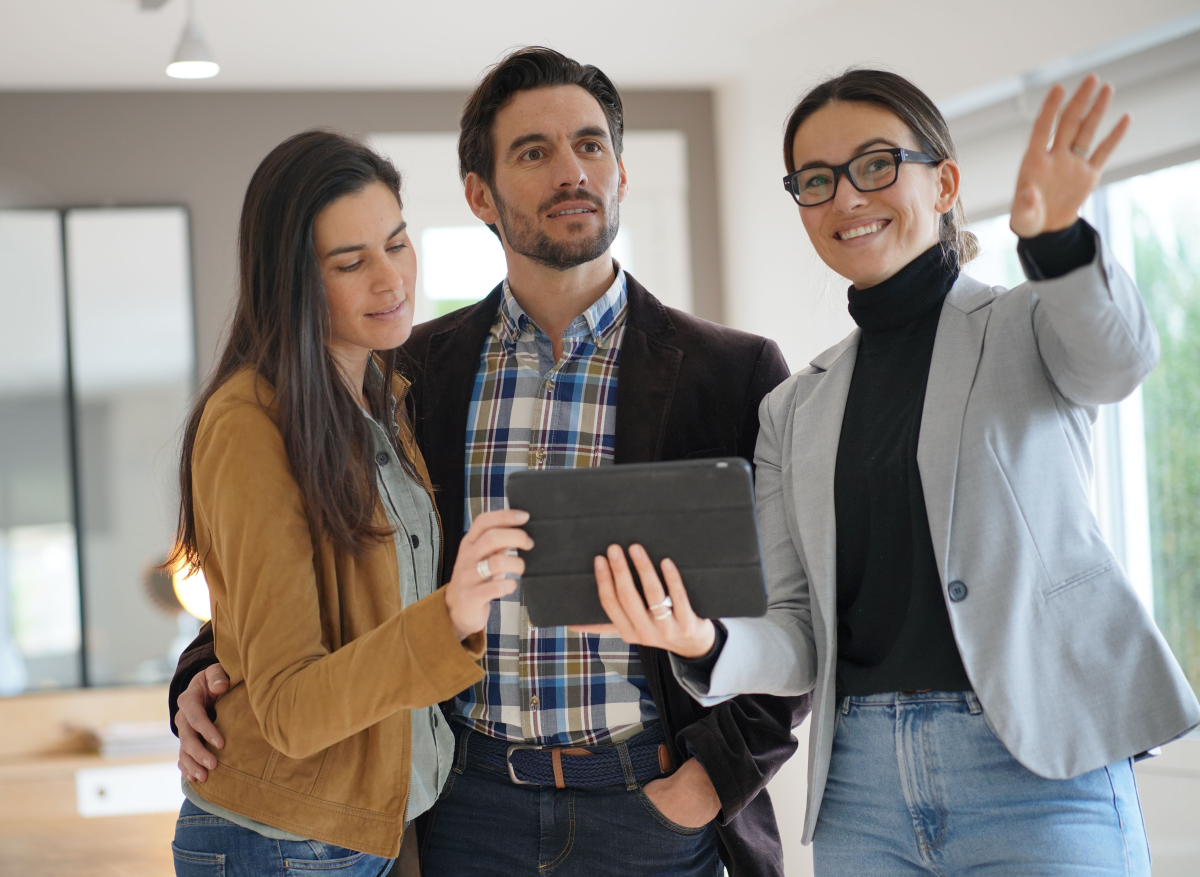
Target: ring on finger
(1079, 150)
(665, 602)
(666, 613)
(485, 571)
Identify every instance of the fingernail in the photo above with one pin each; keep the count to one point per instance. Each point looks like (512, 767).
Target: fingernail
(522, 516)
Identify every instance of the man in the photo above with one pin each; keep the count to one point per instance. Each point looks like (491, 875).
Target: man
(570, 362)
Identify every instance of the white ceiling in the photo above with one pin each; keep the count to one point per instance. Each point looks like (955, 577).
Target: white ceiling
(329, 44)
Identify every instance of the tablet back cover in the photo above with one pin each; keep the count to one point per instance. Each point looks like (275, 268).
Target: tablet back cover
(699, 513)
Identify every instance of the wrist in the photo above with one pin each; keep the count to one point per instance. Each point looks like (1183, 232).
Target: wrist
(451, 605)
(692, 774)
(703, 643)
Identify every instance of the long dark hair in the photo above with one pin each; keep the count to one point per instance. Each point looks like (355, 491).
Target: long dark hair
(281, 329)
(914, 108)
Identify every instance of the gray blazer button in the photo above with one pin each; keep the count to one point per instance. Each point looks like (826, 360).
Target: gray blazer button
(382, 459)
(416, 540)
(957, 591)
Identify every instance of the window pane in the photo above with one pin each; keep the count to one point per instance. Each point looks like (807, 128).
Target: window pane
(133, 362)
(461, 265)
(997, 263)
(39, 582)
(1163, 220)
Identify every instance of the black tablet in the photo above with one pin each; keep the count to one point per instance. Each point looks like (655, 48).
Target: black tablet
(699, 513)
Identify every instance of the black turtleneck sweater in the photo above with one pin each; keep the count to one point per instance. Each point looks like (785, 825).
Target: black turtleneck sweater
(894, 629)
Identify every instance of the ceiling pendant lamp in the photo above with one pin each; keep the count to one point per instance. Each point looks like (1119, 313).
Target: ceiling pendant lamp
(193, 60)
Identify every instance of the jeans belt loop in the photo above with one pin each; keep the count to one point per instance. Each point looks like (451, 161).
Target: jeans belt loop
(844, 706)
(973, 703)
(631, 782)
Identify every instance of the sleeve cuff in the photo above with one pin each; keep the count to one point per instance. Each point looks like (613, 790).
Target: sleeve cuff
(1057, 253)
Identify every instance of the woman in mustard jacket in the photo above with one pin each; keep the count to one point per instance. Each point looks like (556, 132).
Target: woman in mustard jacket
(308, 507)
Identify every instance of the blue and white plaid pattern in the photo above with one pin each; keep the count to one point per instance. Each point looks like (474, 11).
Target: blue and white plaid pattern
(548, 685)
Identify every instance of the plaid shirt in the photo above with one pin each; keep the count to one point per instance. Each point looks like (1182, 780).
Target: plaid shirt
(548, 685)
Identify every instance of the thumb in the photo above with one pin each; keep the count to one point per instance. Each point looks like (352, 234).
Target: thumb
(217, 678)
(1028, 211)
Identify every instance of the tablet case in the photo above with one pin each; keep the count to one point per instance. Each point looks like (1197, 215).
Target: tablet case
(699, 513)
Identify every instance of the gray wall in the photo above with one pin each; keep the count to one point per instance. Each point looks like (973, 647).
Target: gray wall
(199, 150)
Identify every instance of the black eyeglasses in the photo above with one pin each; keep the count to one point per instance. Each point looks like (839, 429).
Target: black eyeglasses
(868, 172)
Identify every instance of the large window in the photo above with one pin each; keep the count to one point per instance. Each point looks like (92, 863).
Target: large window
(1156, 220)
(1147, 448)
(97, 368)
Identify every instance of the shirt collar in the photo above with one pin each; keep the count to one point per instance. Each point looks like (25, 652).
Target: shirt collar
(600, 321)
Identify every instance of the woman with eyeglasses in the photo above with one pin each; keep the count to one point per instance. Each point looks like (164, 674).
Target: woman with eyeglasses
(984, 673)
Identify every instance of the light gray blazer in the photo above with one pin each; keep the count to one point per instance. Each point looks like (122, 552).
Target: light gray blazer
(1071, 671)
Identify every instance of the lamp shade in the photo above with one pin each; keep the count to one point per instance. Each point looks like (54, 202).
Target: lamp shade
(192, 58)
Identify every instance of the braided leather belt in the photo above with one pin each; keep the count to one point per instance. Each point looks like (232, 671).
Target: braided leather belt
(630, 762)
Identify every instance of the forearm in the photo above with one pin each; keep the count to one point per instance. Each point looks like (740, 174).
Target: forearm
(1093, 330)
(411, 661)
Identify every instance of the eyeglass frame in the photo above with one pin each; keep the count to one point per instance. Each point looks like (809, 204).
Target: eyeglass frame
(843, 170)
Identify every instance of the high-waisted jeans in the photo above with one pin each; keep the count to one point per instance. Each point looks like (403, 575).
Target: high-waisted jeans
(919, 785)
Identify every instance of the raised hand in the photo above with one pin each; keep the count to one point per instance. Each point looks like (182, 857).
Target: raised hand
(1056, 178)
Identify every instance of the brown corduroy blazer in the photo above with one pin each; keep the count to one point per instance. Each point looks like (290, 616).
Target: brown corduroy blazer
(323, 663)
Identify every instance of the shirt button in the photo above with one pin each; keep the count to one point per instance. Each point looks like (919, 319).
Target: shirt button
(382, 459)
(534, 701)
(541, 455)
(415, 540)
(957, 591)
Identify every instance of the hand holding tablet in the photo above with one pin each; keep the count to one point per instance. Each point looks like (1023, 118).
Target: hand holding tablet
(668, 622)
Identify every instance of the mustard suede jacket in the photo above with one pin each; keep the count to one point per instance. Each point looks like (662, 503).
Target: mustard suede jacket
(323, 663)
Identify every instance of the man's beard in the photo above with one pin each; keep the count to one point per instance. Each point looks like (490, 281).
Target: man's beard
(524, 237)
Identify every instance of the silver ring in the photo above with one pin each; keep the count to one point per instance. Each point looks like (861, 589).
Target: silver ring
(1080, 151)
(666, 613)
(485, 571)
(665, 603)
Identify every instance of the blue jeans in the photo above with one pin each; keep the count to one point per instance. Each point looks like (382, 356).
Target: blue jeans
(919, 785)
(209, 846)
(483, 824)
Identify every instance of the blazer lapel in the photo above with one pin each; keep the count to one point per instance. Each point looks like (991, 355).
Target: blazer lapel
(648, 370)
(956, 351)
(816, 432)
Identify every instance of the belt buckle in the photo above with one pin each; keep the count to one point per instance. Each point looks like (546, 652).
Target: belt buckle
(512, 773)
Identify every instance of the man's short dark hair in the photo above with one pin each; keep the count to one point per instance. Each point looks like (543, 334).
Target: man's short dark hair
(524, 70)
